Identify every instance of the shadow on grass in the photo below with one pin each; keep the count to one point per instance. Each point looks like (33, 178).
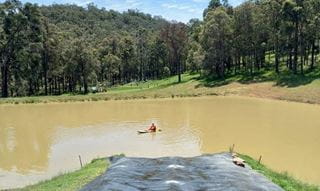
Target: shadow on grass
(294, 80)
(243, 78)
(284, 79)
(175, 83)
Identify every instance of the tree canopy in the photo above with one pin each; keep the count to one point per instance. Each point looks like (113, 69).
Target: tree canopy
(56, 49)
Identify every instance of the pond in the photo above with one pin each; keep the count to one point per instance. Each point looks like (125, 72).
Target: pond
(40, 141)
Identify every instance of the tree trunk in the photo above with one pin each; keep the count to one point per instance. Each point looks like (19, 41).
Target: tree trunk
(84, 77)
(59, 86)
(301, 64)
(85, 85)
(179, 71)
(45, 75)
(277, 63)
(178, 60)
(296, 39)
(290, 59)
(277, 54)
(30, 88)
(312, 56)
(302, 53)
(4, 85)
(70, 84)
(50, 86)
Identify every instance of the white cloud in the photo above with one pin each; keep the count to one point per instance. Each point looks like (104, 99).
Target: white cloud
(133, 3)
(182, 7)
(200, 1)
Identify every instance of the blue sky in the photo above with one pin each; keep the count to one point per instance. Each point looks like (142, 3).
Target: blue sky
(179, 10)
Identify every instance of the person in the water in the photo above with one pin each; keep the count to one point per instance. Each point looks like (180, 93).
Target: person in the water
(152, 128)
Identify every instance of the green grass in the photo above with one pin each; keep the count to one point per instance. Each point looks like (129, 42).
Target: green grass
(139, 90)
(284, 79)
(286, 86)
(72, 181)
(152, 84)
(284, 180)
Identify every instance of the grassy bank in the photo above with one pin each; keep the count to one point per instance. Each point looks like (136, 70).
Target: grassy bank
(71, 181)
(264, 84)
(285, 181)
(75, 180)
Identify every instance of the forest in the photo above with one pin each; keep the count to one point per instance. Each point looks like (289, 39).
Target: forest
(58, 49)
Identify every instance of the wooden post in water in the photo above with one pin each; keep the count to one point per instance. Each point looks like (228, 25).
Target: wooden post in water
(259, 162)
(80, 161)
(231, 148)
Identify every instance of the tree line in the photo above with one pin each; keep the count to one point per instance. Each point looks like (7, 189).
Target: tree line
(262, 34)
(51, 50)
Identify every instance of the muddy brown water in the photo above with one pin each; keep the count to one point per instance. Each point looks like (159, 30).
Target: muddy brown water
(40, 141)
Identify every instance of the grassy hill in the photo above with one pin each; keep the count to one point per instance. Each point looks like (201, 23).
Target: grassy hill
(268, 85)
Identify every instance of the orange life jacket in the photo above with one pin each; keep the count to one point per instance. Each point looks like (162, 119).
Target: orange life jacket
(153, 128)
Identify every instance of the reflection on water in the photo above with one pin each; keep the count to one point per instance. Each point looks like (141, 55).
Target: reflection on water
(40, 141)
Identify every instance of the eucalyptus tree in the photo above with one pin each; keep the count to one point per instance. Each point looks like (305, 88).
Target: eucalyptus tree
(127, 55)
(215, 40)
(85, 63)
(292, 12)
(32, 50)
(312, 13)
(13, 22)
(113, 64)
(195, 55)
(176, 37)
(272, 8)
(212, 5)
(158, 59)
(108, 49)
(244, 29)
(142, 52)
